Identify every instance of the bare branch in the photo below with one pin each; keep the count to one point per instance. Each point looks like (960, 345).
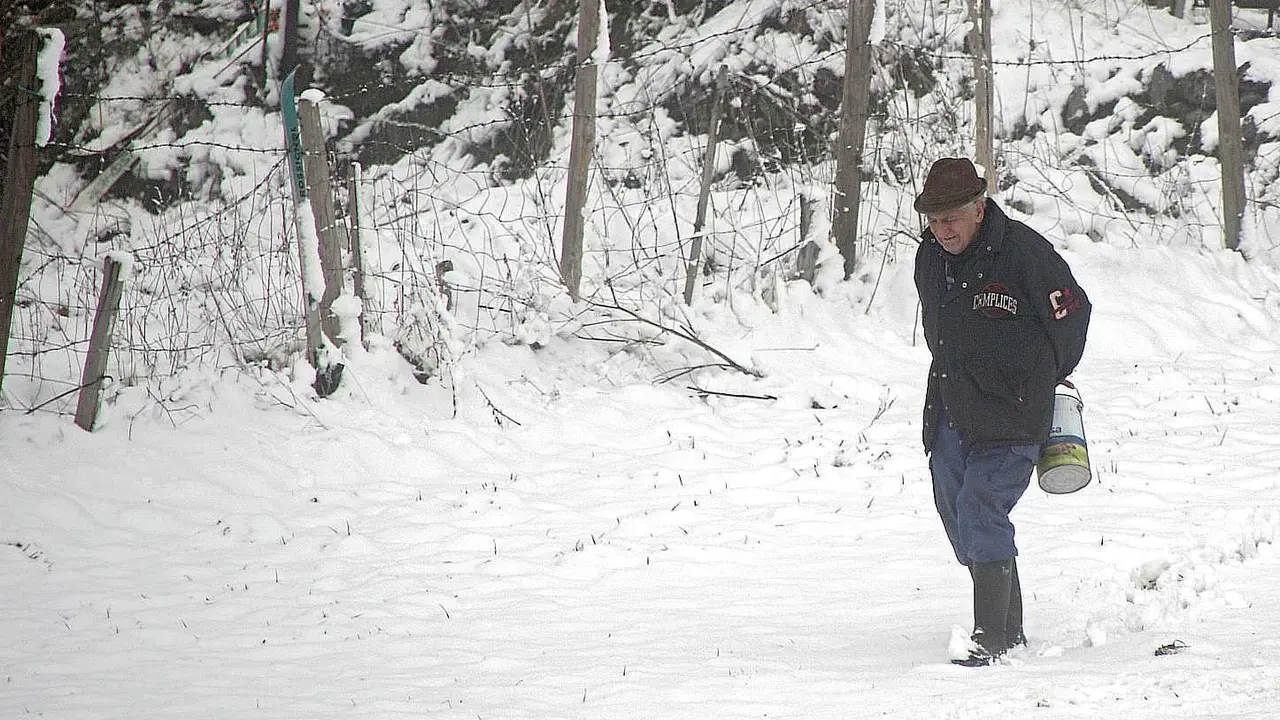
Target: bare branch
(686, 334)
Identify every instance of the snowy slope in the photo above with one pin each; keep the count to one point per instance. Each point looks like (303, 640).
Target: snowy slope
(578, 542)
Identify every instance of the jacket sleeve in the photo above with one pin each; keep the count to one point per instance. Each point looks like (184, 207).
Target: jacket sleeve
(1060, 303)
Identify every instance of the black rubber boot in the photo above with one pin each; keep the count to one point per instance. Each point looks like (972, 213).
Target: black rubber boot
(992, 588)
(1013, 626)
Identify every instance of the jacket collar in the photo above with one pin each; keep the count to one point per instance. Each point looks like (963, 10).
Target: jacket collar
(994, 222)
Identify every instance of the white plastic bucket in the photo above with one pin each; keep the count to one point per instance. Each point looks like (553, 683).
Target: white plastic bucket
(1063, 466)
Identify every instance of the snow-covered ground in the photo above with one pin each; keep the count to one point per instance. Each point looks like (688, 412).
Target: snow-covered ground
(576, 541)
(550, 533)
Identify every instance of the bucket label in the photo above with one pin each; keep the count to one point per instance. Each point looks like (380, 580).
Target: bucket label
(1062, 451)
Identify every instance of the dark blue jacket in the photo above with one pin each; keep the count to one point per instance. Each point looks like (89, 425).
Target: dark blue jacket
(1011, 326)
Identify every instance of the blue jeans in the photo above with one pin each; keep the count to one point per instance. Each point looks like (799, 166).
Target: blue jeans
(976, 490)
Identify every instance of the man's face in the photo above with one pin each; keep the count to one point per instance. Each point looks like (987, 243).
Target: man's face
(956, 229)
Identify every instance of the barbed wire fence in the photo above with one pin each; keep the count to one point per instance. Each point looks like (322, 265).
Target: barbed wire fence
(460, 251)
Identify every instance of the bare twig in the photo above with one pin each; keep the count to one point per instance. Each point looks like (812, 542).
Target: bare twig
(703, 392)
(672, 375)
(77, 388)
(498, 415)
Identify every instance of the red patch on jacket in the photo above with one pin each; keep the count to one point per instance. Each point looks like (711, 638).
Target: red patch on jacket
(1064, 302)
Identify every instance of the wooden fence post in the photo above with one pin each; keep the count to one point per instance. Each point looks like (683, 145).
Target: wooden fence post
(328, 373)
(583, 140)
(316, 168)
(19, 182)
(1230, 146)
(298, 184)
(704, 194)
(95, 364)
(807, 257)
(354, 180)
(854, 107)
(980, 41)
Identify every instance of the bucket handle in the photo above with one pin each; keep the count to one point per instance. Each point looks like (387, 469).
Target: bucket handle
(1070, 386)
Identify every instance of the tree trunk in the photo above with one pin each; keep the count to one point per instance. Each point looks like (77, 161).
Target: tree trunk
(853, 132)
(1230, 148)
(704, 194)
(584, 133)
(19, 173)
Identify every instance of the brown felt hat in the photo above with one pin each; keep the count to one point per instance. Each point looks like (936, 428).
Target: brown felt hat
(952, 182)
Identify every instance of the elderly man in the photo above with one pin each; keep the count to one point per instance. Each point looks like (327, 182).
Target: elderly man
(1005, 322)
